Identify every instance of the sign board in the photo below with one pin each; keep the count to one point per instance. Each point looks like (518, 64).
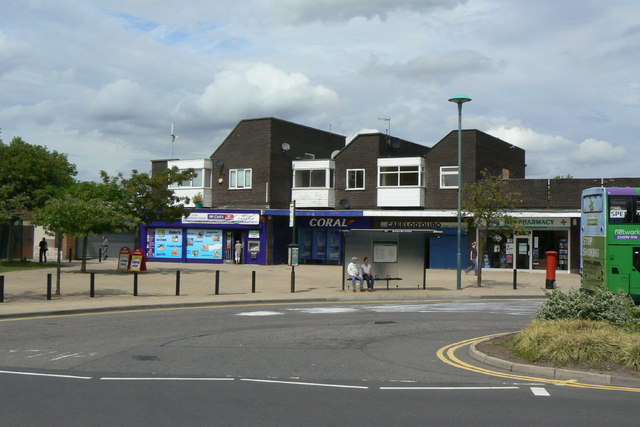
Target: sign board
(138, 262)
(222, 218)
(292, 213)
(124, 257)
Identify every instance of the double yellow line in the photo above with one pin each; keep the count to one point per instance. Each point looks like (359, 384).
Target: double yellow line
(447, 355)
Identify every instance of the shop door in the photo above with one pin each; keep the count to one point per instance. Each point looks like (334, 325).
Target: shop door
(523, 252)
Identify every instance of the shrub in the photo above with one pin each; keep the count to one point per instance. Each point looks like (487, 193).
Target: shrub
(602, 306)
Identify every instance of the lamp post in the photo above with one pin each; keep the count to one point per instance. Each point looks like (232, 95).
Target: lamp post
(459, 99)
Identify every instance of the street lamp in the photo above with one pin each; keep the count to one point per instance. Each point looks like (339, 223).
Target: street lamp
(459, 99)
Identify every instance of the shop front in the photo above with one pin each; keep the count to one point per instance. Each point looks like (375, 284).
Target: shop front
(321, 238)
(529, 246)
(207, 237)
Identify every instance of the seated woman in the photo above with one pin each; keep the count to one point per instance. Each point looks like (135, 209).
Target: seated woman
(367, 274)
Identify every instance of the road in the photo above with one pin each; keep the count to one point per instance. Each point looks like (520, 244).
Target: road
(311, 364)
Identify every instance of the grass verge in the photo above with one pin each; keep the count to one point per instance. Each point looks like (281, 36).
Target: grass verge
(6, 266)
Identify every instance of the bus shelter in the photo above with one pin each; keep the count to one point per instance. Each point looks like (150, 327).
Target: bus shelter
(396, 254)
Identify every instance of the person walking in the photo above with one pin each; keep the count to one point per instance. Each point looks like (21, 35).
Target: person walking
(367, 274)
(238, 248)
(473, 259)
(44, 247)
(353, 270)
(105, 247)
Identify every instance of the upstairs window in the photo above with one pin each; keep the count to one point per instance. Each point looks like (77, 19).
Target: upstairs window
(448, 177)
(313, 178)
(400, 176)
(355, 179)
(239, 178)
(202, 179)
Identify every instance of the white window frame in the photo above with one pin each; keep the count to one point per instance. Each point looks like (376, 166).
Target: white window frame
(419, 169)
(233, 179)
(355, 171)
(448, 172)
(328, 178)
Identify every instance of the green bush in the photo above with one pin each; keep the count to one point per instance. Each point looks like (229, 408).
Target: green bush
(601, 306)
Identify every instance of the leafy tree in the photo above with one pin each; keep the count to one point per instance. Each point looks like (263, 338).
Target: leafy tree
(85, 209)
(29, 174)
(487, 202)
(147, 198)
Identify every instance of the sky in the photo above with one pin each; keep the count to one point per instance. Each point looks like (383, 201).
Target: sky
(103, 80)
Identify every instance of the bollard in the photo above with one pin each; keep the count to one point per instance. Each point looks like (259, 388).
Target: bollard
(217, 290)
(92, 285)
(48, 286)
(293, 279)
(135, 284)
(552, 260)
(177, 282)
(99, 254)
(515, 279)
(70, 254)
(253, 282)
(1, 288)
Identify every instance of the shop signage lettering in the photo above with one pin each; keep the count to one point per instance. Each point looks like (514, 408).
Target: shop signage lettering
(410, 224)
(538, 222)
(330, 222)
(622, 234)
(222, 218)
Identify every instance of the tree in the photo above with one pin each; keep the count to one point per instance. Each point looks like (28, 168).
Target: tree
(487, 202)
(85, 209)
(29, 174)
(148, 198)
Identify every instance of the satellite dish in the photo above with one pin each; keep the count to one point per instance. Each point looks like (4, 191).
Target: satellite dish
(285, 146)
(334, 153)
(344, 203)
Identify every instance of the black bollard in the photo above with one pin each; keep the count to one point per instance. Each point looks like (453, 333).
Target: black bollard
(177, 282)
(515, 279)
(70, 254)
(92, 285)
(135, 283)
(99, 254)
(217, 290)
(48, 286)
(253, 282)
(293, 279)
(1, 288)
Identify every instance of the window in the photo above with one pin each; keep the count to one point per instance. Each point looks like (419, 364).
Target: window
(202, 179)
(239, 178)
(400, 176)
(448, 177)
(620, 210)
(355, 179)
(307, 178)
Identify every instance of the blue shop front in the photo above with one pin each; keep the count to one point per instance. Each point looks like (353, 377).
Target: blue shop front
(207, 236)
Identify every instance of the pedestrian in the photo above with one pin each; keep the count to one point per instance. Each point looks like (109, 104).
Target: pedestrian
(105, 247)
(44, 247)
(353, 270)
(367, 273)
(238, 248)
(473, 260)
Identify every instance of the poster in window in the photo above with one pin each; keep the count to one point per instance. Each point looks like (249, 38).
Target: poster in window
(385, 252)
(168, 243)
(204, 244)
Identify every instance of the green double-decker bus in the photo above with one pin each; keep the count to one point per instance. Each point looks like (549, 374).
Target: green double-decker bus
(610, 240)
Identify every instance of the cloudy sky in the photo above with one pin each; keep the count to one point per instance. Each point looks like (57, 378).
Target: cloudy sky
(102, 80)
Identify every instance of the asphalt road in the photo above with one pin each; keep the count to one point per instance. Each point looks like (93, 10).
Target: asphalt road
(303, 364)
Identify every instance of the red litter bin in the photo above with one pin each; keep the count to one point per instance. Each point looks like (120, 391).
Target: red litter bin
(552, 262)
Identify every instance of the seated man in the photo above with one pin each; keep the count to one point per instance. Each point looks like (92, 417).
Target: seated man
(353, 270)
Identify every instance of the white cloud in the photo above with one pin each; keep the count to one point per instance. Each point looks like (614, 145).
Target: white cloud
(121, 100)
(257, 90)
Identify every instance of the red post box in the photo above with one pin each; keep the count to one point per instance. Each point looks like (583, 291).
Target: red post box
(552, 262)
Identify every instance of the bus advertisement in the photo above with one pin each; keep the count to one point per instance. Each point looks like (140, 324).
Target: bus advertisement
(610, 240)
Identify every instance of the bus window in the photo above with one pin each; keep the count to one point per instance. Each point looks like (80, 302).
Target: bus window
(620, 210)
(592, 203)
(637, 210)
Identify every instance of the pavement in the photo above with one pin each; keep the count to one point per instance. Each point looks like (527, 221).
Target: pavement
(25, 292)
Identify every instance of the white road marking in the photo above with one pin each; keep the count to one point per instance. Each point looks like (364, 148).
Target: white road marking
(36, 374)
(325, 310)
(449, 388)
(539, 391)
(162, 379)
(260, 313)
(304, 383)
